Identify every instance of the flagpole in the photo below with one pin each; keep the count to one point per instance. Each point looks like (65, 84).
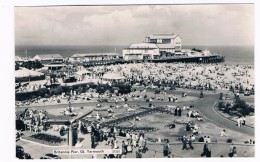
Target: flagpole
(26, 55)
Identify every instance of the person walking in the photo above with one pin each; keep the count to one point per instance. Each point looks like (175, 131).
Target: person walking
(184, 142)
(205, 149)
(166, 149)
(138, 152)
(239, 122)
(234, 152)
(190, 143)
(124, 149)
(92, 141)
(243, 121)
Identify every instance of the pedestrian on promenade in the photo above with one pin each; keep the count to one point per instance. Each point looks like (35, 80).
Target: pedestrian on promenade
(124, 149)
(92, 141)
(138, 152)
(239, 122)
(184, 142)
(166, 149)
(206, 152)
(190, 143)
(234, 152)
(243, 121)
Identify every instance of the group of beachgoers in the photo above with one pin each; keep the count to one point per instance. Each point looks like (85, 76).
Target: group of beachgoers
(209, 76)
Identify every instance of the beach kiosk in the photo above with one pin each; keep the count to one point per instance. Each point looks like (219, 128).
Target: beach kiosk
(112, 78)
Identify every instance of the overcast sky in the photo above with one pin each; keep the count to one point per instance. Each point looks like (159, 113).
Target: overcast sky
(123, 25)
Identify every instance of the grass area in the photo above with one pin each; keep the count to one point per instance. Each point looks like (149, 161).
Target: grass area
(159, 120)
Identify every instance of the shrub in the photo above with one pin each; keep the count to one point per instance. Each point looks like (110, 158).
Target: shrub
(241, 107)
(42, 91)
(221, 104)
(56, 91)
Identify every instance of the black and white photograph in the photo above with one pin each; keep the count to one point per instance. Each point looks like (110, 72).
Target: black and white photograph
(116, 81)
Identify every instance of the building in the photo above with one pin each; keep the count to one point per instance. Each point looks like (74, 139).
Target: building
(111, 78)
(49, 58)
(89, 57)
(156, 46)
(141, 51)
(166, 42)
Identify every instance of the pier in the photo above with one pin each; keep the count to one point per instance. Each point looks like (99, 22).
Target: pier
(184, 59)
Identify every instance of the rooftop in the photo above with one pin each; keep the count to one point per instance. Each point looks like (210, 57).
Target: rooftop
(163, 36)
(50, 56)
(165, 45)
(94, 54)
(143, 46)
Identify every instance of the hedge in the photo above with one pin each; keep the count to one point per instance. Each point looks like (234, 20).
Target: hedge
(80, 88)
(31, 78)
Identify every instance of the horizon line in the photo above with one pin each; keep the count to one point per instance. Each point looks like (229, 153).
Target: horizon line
(119, 45)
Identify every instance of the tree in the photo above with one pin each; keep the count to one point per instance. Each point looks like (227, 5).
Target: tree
(227, 108)
(241, 107)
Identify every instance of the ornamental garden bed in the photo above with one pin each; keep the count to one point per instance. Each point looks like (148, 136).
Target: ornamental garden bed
(46, 139)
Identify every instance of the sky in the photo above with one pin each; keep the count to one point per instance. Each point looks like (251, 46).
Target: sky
(214, 24)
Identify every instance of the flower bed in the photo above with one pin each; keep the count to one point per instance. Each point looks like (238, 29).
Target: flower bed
(47, 138)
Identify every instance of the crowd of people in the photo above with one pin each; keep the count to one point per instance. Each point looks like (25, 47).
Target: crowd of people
(33, 120)
(205, 76)
(198, 76)
(132, 140)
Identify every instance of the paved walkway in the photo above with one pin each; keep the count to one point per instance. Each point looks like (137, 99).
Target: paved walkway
(206, 107)
(155, 149)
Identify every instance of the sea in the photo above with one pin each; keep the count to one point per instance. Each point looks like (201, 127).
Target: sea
(243, 55)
